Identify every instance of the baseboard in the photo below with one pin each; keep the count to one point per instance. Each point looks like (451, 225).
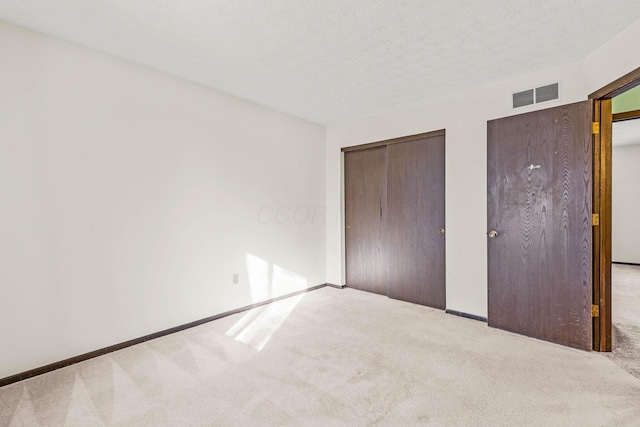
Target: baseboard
(92, 354)
(625, 263)
(466, 315)
(331, 285)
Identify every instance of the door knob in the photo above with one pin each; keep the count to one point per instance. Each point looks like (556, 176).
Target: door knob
(493, 234)
(348, 226)
(440, 230)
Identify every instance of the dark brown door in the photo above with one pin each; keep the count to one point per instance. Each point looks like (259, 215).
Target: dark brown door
(539, 220)
(414, 231)
(365, 200)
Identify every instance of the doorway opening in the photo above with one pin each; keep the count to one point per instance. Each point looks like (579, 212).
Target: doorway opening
(616, 265)
(625, 231)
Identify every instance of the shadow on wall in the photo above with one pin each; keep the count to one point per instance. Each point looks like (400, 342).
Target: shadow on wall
(266, 281)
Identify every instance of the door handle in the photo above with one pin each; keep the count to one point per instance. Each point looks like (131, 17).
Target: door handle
(493, 234)
(440, 230)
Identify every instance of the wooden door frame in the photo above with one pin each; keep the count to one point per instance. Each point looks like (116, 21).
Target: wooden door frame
(399, 140)
(602, 185)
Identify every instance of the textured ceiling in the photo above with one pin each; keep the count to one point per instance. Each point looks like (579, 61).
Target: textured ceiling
(333, 60)
(626, 132)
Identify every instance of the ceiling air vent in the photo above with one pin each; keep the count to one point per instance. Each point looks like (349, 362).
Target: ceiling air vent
(535, 96)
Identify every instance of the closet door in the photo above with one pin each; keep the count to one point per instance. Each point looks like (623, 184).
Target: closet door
(365, 201)
(414, 226)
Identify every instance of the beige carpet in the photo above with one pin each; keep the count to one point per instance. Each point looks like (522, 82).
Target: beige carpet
(329, 358)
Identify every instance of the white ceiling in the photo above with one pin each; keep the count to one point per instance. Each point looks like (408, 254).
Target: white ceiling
(626, 132)
(333, 60)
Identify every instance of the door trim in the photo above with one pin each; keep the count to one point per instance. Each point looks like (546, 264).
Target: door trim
(602, 185)
(602, 151)
(440, 132)
(616, 87)
(629, 115)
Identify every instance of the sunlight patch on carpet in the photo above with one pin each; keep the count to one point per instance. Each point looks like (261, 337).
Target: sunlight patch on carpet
(258, 331)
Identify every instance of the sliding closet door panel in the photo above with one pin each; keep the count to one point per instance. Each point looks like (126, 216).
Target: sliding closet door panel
(365, 200)
(414, 235)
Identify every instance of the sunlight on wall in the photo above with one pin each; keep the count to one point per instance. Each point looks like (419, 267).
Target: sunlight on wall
(259, 283)
(286, 282)
(270, 280)
(267, 281)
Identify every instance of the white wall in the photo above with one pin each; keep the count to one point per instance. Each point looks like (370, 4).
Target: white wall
(128, 199)
(604, 65)
(626, 204)
(464, 116)
(612, 60)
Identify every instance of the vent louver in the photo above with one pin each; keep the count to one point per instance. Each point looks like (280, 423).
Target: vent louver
(535, 96)
(523, 98)
(547, 93)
